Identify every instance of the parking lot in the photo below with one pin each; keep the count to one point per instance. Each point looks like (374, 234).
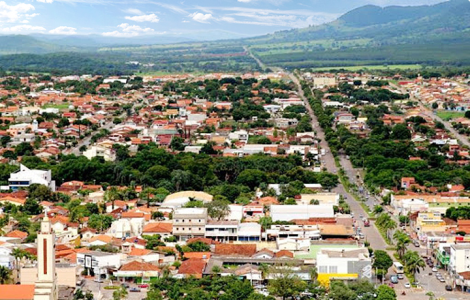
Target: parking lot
(96, 287)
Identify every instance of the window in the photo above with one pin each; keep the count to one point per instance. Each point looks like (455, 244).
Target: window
(333, 269)
(322, 269)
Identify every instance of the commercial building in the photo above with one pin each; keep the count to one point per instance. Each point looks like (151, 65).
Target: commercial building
(301, 212)
(189, 222)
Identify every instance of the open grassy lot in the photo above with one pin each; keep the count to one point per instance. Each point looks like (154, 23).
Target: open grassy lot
(59, 106)
(372, 67)
(448, 115)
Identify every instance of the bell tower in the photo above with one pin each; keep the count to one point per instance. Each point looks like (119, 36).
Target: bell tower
(46, 283)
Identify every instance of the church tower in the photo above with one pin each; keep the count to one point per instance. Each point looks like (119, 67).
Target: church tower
(46, 283)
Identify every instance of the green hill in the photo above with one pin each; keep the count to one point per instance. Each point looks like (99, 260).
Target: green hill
(18, 44)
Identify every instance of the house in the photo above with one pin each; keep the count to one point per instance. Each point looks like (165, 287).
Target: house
(137, 272)
(343, 264)
(406, 182)
(247, 250)
(25, 177)
(249, 232)
(344, 118)
(285, 123)
(193, 267)
(189, 222)
(240, 135)
(108, 154)
(164, 229)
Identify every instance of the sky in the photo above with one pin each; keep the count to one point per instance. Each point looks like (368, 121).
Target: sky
(127, 19)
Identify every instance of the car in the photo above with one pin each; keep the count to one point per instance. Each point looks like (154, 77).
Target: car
(80, 283)
(434, 269)
(407, 285)
(125, 285)
(442, 279)
(134, 290)
(394, 279)
(143, 285)
(400, 276)
(98, 280)
(448, 288)
(416, 243)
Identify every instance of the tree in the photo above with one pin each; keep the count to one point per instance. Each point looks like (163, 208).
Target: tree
(382, 262)
(111, 195)
(285, 283)
(32, 207)
(413, 262)
(39, 192)
(5, 274)
(176, 143)
(100, 222)
(218, 209)
(120, 293)
(251, 178)
(402, 241)
(24, 149)
(198, 246)
(400, 132)
(384, 292)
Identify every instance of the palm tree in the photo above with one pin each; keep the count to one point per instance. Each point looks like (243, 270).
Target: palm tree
(313, 274)
(5, 274)
(431, 295)
(402, 241)
(389, 226)
(413, 262)
(264, 268)
(111, 195)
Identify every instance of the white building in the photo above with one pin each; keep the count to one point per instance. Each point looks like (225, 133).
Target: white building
(301, 212)
(249, 232)
(99, 262)
(189, 222)
(459, 258)
(25, 177)
(107, 154)
(240, 135)
(130, 224)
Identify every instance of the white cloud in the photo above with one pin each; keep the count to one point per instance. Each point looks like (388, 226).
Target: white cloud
(244, 1)
(144, 18)
(133, 11)
(15, 13)
(128, 31)
(200, 17)
(45, 1)
(64, 30)
(22, 28)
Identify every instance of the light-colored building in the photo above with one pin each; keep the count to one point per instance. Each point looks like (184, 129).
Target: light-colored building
(429, 221)
(320, 82)
(222, 230)
(25, 177)
(189, 222)
(98, 262)
(293, 231)
(322, 198)
(179, 199)
(343, 264)
(107, 154)
(301, 212)
(130, 224)
(249, 232)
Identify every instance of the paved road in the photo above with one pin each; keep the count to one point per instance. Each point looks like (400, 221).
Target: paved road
(94, 287)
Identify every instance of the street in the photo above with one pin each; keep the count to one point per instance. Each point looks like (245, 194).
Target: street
(95, 287)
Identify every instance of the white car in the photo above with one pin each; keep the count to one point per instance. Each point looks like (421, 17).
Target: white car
(434, 269)
(407, 285)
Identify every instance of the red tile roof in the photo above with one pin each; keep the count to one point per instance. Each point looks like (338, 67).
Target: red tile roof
(139, 266)
(235, 249)
(17, 234)
(158, 227)
(192, 266)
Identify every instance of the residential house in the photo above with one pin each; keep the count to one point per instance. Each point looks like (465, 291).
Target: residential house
(130, 224)
(164, 229)
(137, 272)
(24, 177)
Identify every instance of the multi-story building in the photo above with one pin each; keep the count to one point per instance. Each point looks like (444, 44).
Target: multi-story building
(222, 230)
(98, 262)
(189, 222)
(459, 265)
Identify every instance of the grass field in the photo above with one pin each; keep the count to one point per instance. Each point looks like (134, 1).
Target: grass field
(448, 115)
(59, 106)
(372, 67)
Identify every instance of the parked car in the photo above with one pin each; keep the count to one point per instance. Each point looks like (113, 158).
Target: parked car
(143, 285)
(394, 279)
(98, 280)
(80, 283)
(416, 243)
(400, 276)
(434, 269)
(442, 279)
(134, 289)
(407, 285)
(448, 288)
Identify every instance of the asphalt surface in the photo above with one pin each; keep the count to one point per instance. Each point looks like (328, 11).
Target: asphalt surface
(95, 287)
